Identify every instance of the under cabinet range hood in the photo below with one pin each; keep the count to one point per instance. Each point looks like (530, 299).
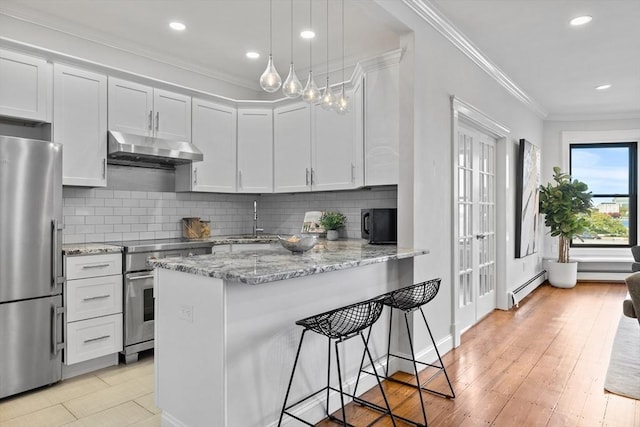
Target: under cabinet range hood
(137, 150)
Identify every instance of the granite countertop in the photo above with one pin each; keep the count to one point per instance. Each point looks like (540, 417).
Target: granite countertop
(70, 249)
(269, 265)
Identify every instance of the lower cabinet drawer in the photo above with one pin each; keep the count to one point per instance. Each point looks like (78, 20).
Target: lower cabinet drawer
(93, 297)
(88, 339)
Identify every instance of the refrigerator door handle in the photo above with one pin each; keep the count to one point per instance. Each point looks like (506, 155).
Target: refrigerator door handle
(57, 346)
(55, 278)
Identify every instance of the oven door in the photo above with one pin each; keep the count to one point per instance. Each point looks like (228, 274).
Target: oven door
(138, 307)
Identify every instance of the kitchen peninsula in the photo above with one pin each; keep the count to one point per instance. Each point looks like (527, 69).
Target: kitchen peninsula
(226, 334)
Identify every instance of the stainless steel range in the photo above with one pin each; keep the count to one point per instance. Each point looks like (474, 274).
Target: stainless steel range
(138, 287)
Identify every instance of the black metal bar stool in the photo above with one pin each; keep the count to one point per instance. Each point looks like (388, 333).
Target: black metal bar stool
(339, 325)
(408, 300)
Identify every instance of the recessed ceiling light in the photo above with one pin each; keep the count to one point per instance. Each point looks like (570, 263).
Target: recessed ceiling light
(253, 55)
(307, 34)
(178, 26)
(603, 87)
(580, 20)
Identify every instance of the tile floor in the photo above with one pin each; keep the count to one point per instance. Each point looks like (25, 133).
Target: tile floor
(117, 396)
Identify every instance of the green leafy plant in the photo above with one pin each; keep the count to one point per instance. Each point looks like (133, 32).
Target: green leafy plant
(332, 220)
(566, 204)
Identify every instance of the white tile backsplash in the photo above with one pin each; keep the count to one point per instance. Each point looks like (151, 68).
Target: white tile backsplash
(103, 215)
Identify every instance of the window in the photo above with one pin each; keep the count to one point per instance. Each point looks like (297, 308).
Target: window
(609, 169)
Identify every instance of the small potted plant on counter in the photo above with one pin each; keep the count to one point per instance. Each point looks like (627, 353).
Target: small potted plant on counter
(331, 222)
(565, 205)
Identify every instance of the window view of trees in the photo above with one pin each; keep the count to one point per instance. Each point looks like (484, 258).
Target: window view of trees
(609, 171)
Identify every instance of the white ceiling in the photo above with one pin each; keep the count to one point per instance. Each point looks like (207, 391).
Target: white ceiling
(559, 66)
(529, 40)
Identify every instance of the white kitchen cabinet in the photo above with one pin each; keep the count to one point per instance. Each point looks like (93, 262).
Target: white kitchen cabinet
(93, 302)
(316, 149)
(255, 150)
(80, 124)
(382, 126)
(337, 146)
(214, 133)
(292, 148)
(142, 110)
(25, 87)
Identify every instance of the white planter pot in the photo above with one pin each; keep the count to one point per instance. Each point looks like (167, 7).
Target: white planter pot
(332, 235)
(562, 275)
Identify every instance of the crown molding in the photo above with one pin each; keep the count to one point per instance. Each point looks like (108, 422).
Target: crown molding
(425, 10)
(592, 117)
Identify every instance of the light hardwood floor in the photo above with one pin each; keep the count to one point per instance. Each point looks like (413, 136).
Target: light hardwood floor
(543, 364)
(540, 365)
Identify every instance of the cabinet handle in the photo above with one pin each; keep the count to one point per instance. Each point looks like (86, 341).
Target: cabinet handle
(96, 297)
(95, 266)
(150, 120)
(195, 175)
(353, 172)
(157, 121)
(312, 176)
(307, 177)
(104, 337)
(240, 179)
(104, 168)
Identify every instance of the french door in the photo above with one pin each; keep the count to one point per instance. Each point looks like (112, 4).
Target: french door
(476, 228)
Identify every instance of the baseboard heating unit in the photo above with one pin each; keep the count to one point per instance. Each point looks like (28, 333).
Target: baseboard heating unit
(526, 288)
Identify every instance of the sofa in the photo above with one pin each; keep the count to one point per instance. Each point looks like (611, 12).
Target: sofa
(631, 305)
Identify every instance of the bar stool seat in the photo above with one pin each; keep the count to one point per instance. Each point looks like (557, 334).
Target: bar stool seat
(339, 325)
(408, 300)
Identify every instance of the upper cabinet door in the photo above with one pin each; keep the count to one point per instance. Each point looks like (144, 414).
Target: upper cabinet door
(25, 87)
(214, 133)
(172, 115)
(130, 107)
(80, 124)
(255, 150)
(382, 126)
(337, 147)
(292, 148)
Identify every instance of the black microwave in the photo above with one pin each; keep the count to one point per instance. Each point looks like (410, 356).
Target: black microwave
(379, 226)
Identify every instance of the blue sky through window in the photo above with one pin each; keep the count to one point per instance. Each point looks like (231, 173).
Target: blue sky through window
(604, 169)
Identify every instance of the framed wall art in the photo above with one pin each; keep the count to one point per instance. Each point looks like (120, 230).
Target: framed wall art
(527, 184)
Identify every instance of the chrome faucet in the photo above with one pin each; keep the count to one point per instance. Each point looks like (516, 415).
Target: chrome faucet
(255, 219)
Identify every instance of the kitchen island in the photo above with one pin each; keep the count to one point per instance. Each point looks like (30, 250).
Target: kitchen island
(225, 330)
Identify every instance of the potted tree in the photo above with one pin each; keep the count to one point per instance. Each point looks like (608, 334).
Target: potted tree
(331, 222)
(565, 205)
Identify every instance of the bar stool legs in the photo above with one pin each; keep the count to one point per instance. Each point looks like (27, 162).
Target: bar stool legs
(338, 326)
(408, 300)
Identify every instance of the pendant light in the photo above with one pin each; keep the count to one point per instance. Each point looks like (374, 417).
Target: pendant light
(311, 93)
(342, 103)
(270, 80)
(292, 88)
(328, 98)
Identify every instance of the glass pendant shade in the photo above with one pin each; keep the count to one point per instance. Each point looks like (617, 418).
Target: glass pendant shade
(292, 88)
(270, 80)
(311, 93)
(328, 98)
(342, 103)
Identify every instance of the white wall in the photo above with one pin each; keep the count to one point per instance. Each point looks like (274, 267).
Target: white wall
(440, 71)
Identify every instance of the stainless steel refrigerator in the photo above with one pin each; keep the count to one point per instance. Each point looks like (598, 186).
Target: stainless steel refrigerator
(30, 264)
